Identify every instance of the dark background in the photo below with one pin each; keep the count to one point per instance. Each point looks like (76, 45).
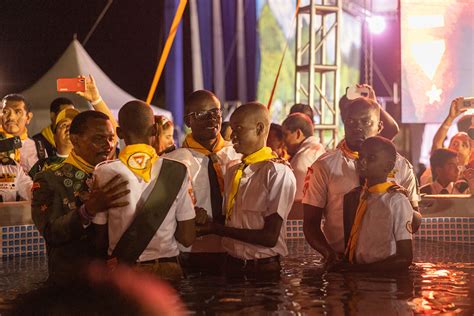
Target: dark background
(126, 44)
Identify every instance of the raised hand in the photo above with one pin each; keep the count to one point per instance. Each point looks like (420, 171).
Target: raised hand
(91, 92)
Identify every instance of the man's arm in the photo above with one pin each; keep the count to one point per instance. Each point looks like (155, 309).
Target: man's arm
(401, 260)
(267, 236)
(92, 95)
(313, 233)
(454, 111)
(186, 232)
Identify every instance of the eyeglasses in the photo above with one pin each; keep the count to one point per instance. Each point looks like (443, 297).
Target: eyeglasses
(203, 115)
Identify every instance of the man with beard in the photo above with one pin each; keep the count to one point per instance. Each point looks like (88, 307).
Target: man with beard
(334, 174)
(206, 154)
(64, 202)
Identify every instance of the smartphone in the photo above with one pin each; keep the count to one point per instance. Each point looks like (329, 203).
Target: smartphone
(468, 103)
(355, 92)
(9, 144)
(71, 84)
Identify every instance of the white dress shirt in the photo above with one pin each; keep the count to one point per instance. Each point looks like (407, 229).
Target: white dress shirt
(387, 220)
(163, 244)
(13, 180)
(265, 188)
(307, 153)
(197, 164)
(332, 176)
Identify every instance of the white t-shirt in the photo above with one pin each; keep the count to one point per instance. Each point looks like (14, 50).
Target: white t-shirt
(265, 188)
(163, 244)
(12, 180)
(197, 164)
(308, 152)
(332, 176)
(387, 220)
(28, 154)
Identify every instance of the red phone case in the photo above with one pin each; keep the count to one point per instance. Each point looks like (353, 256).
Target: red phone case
(71, 84)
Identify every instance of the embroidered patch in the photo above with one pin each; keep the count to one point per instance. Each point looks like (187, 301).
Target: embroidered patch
(307, 179)
(79, 175)
(77, 186)
(35, 186)
(43, 208)
(138, 160)
(409, 228)
(67, 183)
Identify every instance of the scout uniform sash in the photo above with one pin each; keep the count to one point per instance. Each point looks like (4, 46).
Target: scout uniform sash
(260, 155)
(354, 219)
(149, 218)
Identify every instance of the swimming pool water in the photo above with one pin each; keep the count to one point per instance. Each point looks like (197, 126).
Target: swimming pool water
(441, 281)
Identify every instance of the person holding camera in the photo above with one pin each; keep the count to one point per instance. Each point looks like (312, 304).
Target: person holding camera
(16, 115)
(460, 142)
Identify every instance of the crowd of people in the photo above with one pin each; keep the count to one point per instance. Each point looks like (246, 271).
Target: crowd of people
(219, 203)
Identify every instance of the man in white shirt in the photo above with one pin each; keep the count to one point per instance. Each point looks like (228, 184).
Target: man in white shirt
(259, 193)
(16, 115)
(207, 155)
(138, 163)
(304, 148)
(334, 174)
(444, 165)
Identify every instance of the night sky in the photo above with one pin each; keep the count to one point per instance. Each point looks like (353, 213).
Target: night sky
(126, 44)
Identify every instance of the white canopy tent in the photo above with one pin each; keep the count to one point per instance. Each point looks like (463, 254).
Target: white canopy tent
(74, 61)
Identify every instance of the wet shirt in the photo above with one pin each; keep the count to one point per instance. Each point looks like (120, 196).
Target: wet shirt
(307, 154)
(57, 194)
(163, 244)
(387, 220)
(332, 176)
(265, 188)
(197, 164)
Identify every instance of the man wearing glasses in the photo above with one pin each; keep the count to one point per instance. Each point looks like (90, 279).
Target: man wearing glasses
(207, 156)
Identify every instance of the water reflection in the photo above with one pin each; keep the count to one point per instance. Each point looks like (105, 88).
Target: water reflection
(441, 282)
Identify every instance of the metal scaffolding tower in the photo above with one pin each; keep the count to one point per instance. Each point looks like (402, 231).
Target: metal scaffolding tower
(317, 64)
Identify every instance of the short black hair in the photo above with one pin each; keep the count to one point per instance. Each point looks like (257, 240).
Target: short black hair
(384, 145)
(277, 129)
(303, 108)
(362, 102)
(55, 106)
(300, 121)
(196, 97)
(15, 97)
(79, 123)
(439, 157)
(465, 122)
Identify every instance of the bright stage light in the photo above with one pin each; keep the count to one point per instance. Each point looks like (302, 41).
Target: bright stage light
(376, 24)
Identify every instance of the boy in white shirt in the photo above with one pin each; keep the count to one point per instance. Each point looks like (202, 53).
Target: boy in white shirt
(133, 237)
(377, 222)
(259, 193)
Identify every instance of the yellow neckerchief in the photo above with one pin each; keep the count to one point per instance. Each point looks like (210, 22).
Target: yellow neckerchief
(263, 154)
(191, 143)
(23, 137)
(360, 212)
(139, 158)
(349, 153)
(79, 163)
(47, 132)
